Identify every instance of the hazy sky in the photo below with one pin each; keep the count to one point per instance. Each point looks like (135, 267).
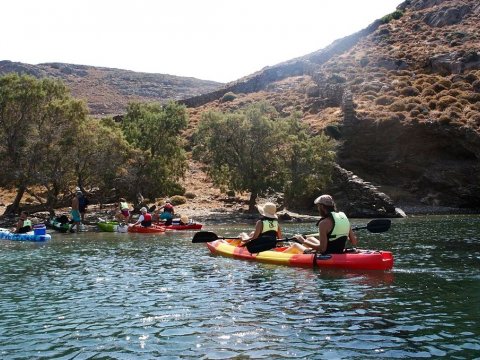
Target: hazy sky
(219, 40)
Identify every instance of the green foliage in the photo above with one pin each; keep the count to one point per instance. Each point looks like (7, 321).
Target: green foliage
(39, 121)
(333, 130)
(155, 130)
(229, 96)
(254, 150)
(307, 162)
(397, 14)
(178, 200)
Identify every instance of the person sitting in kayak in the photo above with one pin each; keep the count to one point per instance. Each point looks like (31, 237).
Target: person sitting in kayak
(123, 214)
(334, 231)
(145, 219)
(167, 214)
(267, 226)
(24, 225)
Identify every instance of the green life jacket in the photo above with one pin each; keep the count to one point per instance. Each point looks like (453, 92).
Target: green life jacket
(269, 227)
(27, 223)
(341, 226)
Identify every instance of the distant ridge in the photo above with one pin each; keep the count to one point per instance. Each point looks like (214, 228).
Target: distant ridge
(107, 91)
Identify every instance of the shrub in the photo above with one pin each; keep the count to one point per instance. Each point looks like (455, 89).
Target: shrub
(190, 195)
(472, 97)
(438, 87)
(333, 131)
(444, 119)
(432, 105)
(409, 91)
(414, 113)
(445, 83)
(397, 14)
(178, 200)
(384, 100)
(445, 101)
(428, 92)
(229, 96)
(397, 106)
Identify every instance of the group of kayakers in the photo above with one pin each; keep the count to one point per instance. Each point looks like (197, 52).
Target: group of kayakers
(162, 215)
(334, 229)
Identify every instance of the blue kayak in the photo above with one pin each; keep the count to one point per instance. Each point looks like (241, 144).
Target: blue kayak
(6, 234)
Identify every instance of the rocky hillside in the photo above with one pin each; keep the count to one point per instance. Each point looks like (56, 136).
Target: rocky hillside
(107, 91)
(401, 97)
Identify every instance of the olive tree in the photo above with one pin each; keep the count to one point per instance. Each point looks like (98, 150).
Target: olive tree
(155, 130)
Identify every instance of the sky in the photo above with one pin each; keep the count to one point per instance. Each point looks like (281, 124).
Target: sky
(219, 40)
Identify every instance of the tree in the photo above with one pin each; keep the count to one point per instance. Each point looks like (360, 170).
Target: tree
(103, 157)
(38, 120)
(155, 130)
(241, 149)
(254, 150)
(308, 162)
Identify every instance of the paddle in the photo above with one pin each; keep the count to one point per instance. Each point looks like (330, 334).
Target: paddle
(207, 236)
(374, 226)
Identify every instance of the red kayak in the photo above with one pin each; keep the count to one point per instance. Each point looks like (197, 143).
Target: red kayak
(191, 226)
(357, 260)
(154, 229)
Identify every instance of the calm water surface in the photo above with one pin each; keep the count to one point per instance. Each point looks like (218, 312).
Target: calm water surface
(123, 296)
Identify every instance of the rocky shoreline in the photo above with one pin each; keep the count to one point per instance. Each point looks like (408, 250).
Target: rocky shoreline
(222, 215)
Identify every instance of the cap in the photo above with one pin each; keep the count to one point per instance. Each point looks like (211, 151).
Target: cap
(326, 200)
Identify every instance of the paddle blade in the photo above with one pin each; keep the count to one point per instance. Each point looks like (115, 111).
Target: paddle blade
(204, 236)
(379, 225)
(261, 244)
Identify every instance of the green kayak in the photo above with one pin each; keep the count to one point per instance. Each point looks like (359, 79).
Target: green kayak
(112, 226)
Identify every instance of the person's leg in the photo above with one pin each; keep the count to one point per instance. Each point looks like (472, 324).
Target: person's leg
(295, 249)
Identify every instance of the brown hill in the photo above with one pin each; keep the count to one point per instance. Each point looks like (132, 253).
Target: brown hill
(107, 91)
(402, 97)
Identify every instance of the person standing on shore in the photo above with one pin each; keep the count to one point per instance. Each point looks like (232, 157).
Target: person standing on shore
(82, 204)
(75, 213)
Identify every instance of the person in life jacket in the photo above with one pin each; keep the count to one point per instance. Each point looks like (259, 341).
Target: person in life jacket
(123, 214)
(168, 212)
(334, 230)
(23, 225)
(266, 227)
(145, 219)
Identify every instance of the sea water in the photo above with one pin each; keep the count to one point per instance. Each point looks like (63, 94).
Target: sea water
(139, 296)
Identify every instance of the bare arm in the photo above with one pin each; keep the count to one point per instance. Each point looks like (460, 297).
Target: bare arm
(256, 233)
(352, 237)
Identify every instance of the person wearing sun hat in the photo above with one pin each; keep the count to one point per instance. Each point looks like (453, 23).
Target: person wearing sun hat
(267, 226)
(333, 228)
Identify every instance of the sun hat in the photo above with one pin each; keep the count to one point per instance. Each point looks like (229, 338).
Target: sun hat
(143, 209)
(326, 200)
(184, 219)
(268, 210)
